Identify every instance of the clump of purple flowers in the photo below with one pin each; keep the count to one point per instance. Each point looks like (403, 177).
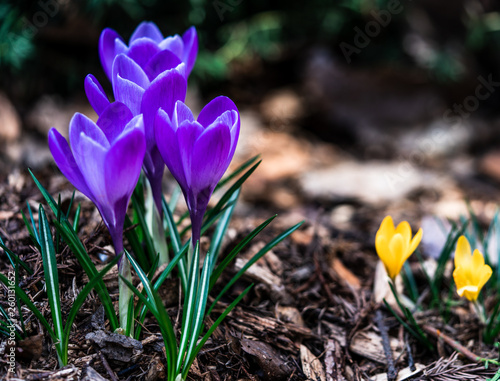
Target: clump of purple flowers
(147, 126)
(149, 81)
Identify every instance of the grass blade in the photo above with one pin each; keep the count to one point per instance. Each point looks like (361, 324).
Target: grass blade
(214, 327)
(51, 278)
(27, 301)
(139, 212)
(240, 246)
(221, 229)
(77, 248)
(80, 299)
(254, 259)
(236, 172)
(227, 195)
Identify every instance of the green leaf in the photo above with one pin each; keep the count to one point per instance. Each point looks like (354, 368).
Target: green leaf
(158, 284)
(32, 233)
(76, 221)
(80, 299)
(236, 172)
(151, 295)
(254, 259)
(27, 301)
(140, 213)
(189, 306)
(161, 315)
(227, 195)
(201, 304)
(213, 328)
(134, 241)
(221, 229)
(51, 279)
(77, 248)
(237, 249)
(14, 258)
(176, 242)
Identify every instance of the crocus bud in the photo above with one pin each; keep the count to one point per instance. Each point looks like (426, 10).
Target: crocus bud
(471, 273)
(104, 161)
(198, 152)
(394, 245)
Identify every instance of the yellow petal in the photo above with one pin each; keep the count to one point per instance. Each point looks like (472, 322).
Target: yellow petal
(415, 241)
(484, 275)
(382, 247)
(470, 292)
(477, 260)
(462, 253)
(396, 247)
(387, 227)
(405, 230)
(460, 277)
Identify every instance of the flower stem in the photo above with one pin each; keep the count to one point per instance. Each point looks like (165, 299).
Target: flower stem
(125, 294)
(480, 312)
(155, 225)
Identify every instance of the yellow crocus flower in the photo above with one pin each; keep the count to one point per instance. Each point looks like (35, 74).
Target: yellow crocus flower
(394, 245)
(471, 273)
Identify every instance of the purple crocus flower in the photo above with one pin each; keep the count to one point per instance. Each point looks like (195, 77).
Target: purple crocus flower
(160, 83)
(146, 42)
(198, 152)
(104, 161)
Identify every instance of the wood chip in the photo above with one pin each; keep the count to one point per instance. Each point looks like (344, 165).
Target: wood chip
(369, 344)
(269, 359)
(404, 374)
(6, 214)
(311, 365)
(345, 274)
(261, 274)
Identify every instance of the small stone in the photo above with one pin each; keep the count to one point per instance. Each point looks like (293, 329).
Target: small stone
(115, 346)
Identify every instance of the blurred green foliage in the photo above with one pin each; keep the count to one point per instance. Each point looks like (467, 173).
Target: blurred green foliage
(34, 60)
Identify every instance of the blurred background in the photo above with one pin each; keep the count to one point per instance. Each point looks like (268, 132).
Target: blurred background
(348, 101)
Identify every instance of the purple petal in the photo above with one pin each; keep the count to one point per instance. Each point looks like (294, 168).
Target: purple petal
(166, 141)
(128, 69)
(95, 94)
(164, 91)
(190, 39)
(120, 48)
(147, 29)
(210, 155)
(90, 158)
(107, 50)
(164, 60)
(123, 167)
(215, 108)
(66, 162)
(128, 93)
(142, 50)
(80, 126)
(187, 134)
(181, 113)
(230, 119)
(113, 120)
(174, 44)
